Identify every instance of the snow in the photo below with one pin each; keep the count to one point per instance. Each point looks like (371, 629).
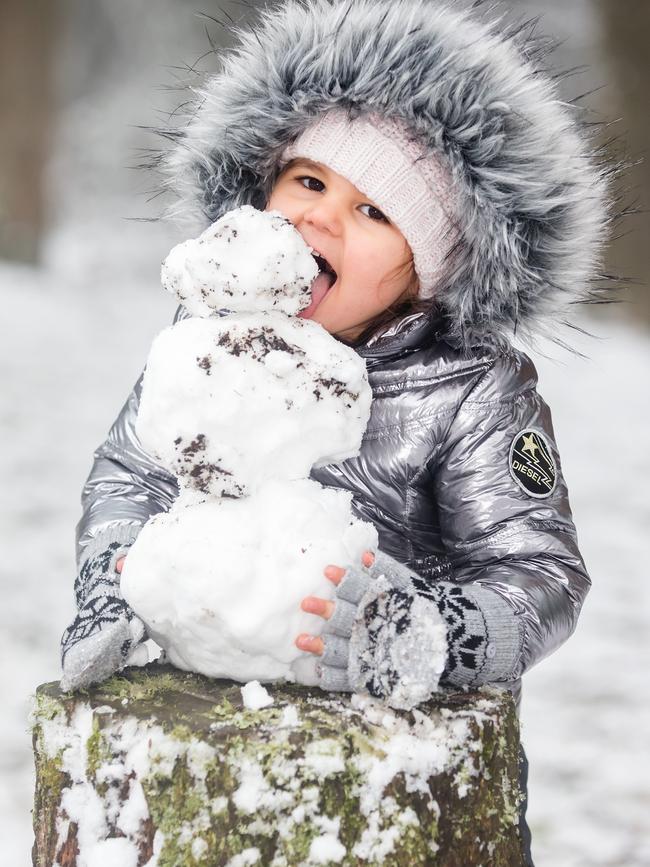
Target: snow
(67, 363)
(219, 584)
(411, 749)
(277, 795)
(254, 792)
(289, 718)
(133, 811)
(199, 848)
(327, 848)
(248, 260)
(245, 858)
(230, 403)
(240, 406)
(414, 750)
(324, 757)
(255, 696)
(137, 755)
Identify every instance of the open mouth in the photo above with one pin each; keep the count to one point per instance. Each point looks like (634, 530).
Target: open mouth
(322, 284)
(324, 265)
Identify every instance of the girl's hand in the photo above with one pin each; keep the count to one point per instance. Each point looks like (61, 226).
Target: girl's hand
(324, 607)
(119, 563)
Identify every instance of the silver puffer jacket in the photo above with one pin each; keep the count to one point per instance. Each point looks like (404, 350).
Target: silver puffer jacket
(443, 470)
(433, 475)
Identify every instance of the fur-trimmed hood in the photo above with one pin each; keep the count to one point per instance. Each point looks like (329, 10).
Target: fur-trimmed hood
(536, 209)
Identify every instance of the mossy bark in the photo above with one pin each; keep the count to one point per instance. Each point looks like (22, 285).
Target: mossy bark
(177, 771)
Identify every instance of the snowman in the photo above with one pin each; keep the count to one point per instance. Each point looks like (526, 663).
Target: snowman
(240, 401)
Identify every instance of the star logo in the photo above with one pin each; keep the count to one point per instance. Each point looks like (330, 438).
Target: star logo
(529, 445)
(531, 463)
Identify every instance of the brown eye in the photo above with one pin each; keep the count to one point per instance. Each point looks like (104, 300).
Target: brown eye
(310, 178)
(375, 214)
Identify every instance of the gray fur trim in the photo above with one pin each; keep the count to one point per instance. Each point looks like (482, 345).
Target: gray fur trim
(475, 88)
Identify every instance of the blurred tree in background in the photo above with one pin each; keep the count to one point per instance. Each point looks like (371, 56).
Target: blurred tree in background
(27, 42)
(79, 79)
(626, 39)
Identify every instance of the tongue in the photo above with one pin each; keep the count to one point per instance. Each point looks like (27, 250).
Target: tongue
(319, 289)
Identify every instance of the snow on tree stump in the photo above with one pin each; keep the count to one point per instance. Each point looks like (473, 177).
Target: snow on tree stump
(159, 767)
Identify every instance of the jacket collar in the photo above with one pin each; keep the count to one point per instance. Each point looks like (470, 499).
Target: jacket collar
(401, 338)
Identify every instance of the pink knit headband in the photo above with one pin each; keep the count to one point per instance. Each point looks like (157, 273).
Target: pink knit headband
(382, 159)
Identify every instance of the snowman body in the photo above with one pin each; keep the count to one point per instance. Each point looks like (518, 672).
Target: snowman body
(240, 403)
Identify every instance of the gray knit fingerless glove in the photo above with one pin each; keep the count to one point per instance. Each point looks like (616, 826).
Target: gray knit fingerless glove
(382, 637)
(386, 635)
(105, 630)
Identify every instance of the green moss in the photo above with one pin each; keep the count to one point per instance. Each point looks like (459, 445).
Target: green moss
(46, 708)
(98, 751)
(173, 800)
(331, 804)
(50, 768)
(140, 686)
(223, 710)
(182, 733)
(492, 808)
(50, 782)
(414, 847)
(178, 799)
(296, 848)
(432, 832)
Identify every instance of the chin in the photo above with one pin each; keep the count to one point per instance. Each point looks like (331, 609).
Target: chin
(334, 324)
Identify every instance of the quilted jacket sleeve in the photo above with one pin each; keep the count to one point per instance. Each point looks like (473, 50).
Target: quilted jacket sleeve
(125, 486)
(505, 517)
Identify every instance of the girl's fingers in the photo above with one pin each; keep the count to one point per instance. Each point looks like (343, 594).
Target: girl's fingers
(314, 605)
(336, 573)
(310, 644)
(324, 607)
(119, 563)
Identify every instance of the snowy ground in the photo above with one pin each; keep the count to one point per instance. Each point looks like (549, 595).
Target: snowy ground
(68, 356)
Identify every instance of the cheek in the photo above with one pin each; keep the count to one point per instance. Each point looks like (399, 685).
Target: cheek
(279, 200)
(363, 267)
(376, 273)
(274, 201)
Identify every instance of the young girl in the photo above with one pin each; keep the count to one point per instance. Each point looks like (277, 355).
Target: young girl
(424, 152)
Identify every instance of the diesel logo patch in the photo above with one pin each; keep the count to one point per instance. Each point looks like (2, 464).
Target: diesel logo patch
(531, 463)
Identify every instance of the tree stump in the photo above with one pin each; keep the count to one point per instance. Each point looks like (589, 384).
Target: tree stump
(159, 767)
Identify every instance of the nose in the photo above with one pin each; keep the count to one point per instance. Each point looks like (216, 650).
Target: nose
(324, 216)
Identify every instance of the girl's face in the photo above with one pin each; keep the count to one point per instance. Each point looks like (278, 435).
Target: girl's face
(368, 253)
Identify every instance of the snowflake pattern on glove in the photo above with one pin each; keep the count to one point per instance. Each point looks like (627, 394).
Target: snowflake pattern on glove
(385, 617)
(397, 623)
(466, 647)
(95, 615)
(96, 571)
(389, 622)
(105, 629)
